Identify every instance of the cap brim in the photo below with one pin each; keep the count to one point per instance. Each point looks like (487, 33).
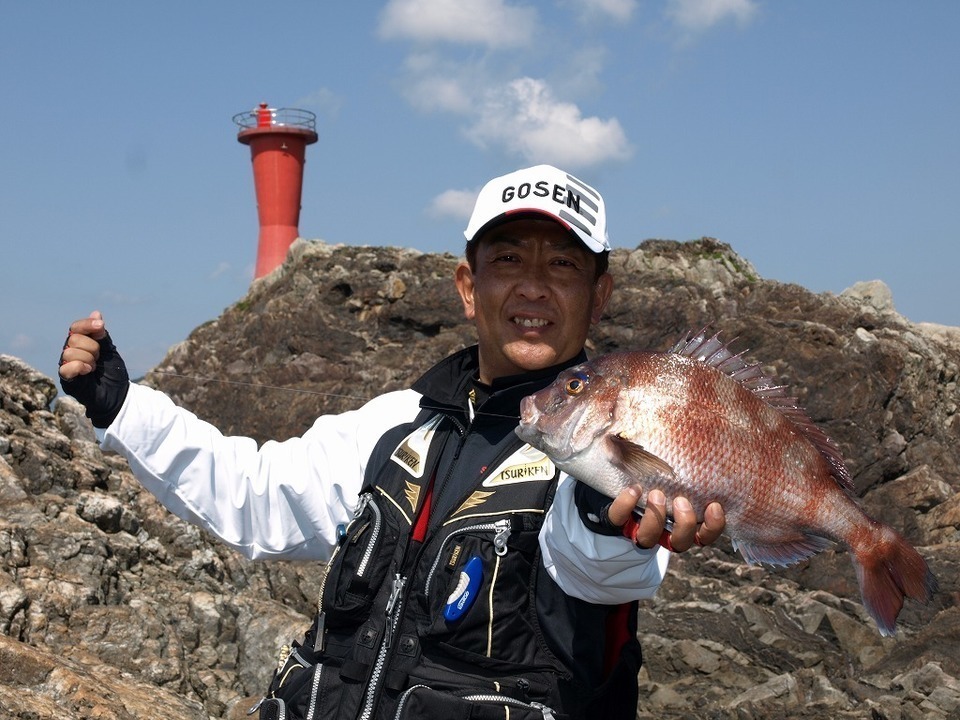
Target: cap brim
(519, 213)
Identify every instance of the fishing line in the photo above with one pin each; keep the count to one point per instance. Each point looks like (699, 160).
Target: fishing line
(198, 378)
(321, 393)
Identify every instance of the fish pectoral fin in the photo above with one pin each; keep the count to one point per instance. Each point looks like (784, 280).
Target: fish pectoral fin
(644, 465)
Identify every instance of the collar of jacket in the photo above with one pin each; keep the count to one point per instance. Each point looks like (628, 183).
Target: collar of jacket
(447, 384)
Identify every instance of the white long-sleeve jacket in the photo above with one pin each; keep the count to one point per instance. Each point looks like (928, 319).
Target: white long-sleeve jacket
(286, 499)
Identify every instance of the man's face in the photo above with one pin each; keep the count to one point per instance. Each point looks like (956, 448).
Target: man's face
(532, 296)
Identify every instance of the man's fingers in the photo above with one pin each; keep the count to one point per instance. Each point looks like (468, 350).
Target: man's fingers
(91, 326)
(82, 349)
(648, 530)
(650, 526)
(622, 507)
(79, 343)
(79, 356)
(684, 525)
(714, 521)
(74, 368)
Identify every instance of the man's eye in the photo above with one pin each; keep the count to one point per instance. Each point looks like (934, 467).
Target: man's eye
(565, 263)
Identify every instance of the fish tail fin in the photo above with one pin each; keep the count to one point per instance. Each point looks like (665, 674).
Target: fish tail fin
(888, 570)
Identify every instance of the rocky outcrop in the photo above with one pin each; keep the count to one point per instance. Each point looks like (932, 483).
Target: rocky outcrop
(112, 608)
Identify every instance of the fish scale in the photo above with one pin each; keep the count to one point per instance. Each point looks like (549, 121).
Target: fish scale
(703, 423)
(701, 418)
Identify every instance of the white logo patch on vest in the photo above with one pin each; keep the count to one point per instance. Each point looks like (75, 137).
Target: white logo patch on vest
(411, 453)
(526, 465)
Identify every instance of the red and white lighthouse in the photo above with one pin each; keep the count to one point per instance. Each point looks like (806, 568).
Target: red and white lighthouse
(278, 139)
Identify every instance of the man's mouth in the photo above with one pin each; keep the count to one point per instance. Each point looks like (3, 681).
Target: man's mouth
(530, 322)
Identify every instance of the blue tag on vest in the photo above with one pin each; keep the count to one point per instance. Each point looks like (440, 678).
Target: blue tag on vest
(463, 596)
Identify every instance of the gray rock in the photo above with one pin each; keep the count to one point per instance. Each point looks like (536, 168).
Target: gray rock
(875, 293)
(111, 607)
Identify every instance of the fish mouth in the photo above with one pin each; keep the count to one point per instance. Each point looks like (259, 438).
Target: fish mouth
(557, 446)
(528, 430)
(529, 414)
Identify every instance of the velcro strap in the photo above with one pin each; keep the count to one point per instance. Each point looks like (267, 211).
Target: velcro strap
(396, 680)
(353, 670)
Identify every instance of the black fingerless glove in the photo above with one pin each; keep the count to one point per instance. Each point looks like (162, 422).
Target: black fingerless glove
(593, 507)
(103, 391)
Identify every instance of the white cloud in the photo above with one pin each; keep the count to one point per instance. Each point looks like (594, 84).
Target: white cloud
(620, 10)
(485, 22)
(699, 15)
(581, 73)
(438, 85)
(529, 118)
(22, 342)
(457, 204)
(526, 119)
(222, 268)
(323, 100)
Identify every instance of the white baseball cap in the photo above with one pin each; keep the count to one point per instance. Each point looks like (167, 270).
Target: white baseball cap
(544, 190)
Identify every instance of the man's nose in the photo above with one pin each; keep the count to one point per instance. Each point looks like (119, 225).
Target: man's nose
(534, 284)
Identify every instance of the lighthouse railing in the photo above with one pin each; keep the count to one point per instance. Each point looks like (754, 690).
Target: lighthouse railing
(283, 117)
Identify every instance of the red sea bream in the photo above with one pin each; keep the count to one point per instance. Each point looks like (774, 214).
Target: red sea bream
(701, 422)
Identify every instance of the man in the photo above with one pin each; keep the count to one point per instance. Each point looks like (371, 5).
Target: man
(464, 573)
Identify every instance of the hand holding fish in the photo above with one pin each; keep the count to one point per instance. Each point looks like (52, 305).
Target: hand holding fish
(649, 529)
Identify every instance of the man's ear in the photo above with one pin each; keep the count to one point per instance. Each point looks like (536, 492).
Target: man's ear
(465, 285)
(602, 291)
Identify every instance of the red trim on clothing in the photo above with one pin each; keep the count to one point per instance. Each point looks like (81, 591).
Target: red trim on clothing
(423, 517)
(616, 636)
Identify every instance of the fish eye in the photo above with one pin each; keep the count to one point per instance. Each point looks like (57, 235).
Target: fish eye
(576, 385)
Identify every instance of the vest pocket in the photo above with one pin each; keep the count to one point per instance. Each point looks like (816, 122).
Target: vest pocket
(358, 567)
(295, 687)
(422, 702)
(477, 597)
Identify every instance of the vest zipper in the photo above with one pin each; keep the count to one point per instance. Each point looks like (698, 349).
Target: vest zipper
(392, 616)
(546, 711)
(364, 500)
(441, 486)
(374, 535)
(403, 698)
(502, 528)
(317, 669)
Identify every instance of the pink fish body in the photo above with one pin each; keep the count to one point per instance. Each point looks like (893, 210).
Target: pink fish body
(700, 422)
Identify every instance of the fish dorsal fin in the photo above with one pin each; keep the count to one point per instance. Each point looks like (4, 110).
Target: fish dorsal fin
(716, 353)
(643, 465)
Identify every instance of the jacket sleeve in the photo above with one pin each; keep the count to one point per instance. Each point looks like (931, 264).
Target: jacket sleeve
(282, 500)
(606, 569)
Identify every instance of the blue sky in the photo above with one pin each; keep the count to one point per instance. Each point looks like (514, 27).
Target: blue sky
(818, 138)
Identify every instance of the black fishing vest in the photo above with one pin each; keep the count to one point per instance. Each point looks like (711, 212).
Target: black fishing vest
(435, 603)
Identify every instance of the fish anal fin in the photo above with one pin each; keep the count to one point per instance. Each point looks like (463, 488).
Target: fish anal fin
(781, 554)
(643, 465)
